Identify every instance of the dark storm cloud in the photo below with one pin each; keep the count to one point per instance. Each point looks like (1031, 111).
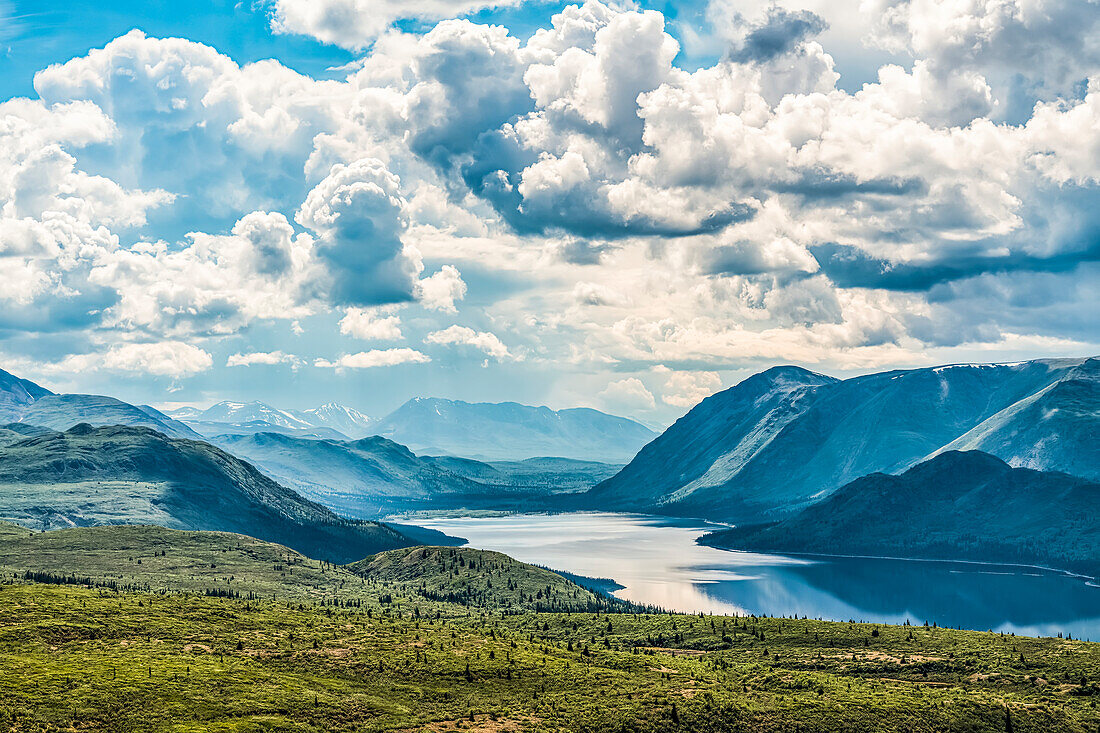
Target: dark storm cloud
(780, 32)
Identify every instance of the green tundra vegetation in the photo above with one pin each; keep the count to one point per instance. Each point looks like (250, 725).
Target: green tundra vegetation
(441, 639)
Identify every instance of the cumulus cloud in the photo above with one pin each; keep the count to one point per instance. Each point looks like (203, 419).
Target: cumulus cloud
(371, 324)
(687, 389)
(440, 291)
(779, 32)
(374, 358)
(480, 340)
(268, 358)
(358, 214)
(165, 358)
(627, 394)
(610, 208)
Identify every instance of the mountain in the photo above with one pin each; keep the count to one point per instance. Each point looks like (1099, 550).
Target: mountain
(16, 393)
(375, 476)
(787, 437)
(242, 412)
(22, 401)
(340, 418)
(957, 505)
(134, 475)
(510, 431)
(361, 478)
(332, 420)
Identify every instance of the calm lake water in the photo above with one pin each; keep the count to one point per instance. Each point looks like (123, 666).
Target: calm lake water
(658, 562)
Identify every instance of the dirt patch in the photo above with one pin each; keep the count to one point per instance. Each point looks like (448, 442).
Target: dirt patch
(201, 647)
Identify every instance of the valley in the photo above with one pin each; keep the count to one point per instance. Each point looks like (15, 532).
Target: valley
(276, 573)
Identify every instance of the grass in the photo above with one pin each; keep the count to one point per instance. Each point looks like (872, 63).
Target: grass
(336, 651)
(78, 658)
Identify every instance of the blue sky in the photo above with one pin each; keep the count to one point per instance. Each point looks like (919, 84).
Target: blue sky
(625, 206)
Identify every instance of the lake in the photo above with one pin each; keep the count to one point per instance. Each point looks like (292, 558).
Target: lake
(657, 561)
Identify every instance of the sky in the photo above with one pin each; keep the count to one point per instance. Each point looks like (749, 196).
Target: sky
(626, 206)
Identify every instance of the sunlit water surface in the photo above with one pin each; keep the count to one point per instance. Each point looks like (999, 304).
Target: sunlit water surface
(658, 562)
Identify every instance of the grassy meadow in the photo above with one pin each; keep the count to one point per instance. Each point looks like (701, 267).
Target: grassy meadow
(372, 647)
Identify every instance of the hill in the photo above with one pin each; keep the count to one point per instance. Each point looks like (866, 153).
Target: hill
(480, 578)
(22, 401)
(545, 474)
(509, 431)
(958, 505)
(787, 437)
(161, 560)
(133, 475)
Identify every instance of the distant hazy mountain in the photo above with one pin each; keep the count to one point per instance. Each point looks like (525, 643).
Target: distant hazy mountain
(133, 475)
(510, 431)
(376, 476)
(787, 437)
(958, 505)
(339, 417)
(22, 401)
(549, 474)
(244, 418)
(361, 478)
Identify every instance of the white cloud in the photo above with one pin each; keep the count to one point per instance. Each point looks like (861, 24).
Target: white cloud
(619, 212)
(371, 324)
(687, 389)
(165, 358)
(440, 291)
(463, 335)
(263, 357)
(627, 394)
(353, 24)
(358, 213)
(374, 358)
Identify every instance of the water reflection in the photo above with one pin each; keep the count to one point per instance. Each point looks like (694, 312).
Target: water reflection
(658, 562)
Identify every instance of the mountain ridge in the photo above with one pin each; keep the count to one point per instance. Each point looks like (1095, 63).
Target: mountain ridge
(23, 401)
(506, 431)
(125, 475)
(785, 438)
(956, 505)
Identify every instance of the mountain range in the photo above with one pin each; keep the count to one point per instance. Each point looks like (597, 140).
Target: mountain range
(22, 401)
(957, 505)
(504, 431)
(787, 437)
(134, 475)
(508, 431)
(331, 420)
(375, 476)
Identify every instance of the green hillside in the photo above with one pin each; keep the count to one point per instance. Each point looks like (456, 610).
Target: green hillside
(479, 578)
(159, 560)
(310, 647)
(73, 658)
(133, 475)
